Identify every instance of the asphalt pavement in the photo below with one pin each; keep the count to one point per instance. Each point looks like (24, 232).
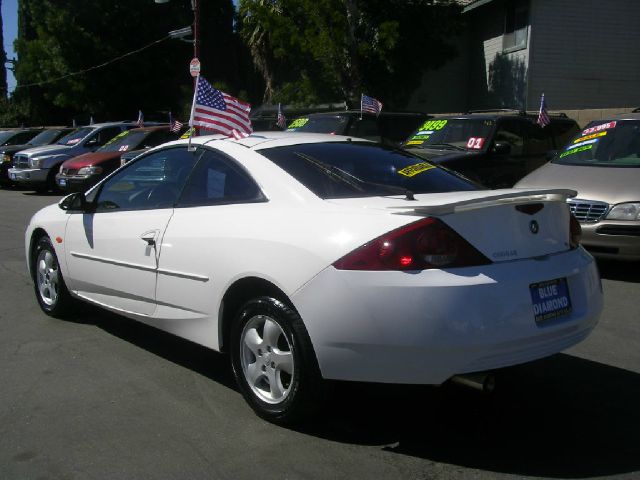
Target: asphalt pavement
(102, 397)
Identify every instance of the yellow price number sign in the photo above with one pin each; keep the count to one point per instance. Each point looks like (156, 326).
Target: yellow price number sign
(298, 123)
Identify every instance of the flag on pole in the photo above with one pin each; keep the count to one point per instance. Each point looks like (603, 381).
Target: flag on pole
(370, 105)
(281, 120)
(543, 115)
(219, 112)
(175, 126)
(140, 121)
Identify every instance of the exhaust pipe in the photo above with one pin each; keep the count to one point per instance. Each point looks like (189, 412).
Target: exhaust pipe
(483, 381)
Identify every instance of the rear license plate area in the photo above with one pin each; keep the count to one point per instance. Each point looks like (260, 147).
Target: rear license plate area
(550, 299)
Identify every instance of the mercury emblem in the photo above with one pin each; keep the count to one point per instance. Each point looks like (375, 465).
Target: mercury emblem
(534, 227)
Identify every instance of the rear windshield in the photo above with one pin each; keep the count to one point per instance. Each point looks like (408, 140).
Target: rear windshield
(358, 169)
(336, 124)
(613, 143)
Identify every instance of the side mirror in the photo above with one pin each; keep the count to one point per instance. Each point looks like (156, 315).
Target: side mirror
(74, 202)
(502, 148)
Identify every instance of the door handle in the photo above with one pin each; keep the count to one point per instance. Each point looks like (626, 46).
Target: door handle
(150, 237)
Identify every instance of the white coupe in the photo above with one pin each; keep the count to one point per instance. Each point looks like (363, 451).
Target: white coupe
(311, 257)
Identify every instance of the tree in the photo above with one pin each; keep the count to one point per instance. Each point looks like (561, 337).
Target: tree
(56, 39)
(3, 59)
(326, 50)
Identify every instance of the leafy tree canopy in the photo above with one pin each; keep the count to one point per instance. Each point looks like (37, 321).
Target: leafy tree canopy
(58, 38)
(312, 51)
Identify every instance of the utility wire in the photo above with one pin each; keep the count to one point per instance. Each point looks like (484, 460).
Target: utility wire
(109, 62)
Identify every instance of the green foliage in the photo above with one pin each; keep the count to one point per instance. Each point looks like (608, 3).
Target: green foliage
(58, 38)
(324, 50)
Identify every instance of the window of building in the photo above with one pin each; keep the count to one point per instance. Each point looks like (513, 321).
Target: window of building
(515, 25)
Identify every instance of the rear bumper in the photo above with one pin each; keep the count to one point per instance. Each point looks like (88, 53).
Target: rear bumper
(425, 327)
(612, 239)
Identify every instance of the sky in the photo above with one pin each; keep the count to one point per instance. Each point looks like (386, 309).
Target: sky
(10, 31)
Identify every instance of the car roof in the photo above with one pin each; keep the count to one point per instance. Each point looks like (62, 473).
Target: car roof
(150, 129)
(260, 140)
(353, 113)
(496, 114)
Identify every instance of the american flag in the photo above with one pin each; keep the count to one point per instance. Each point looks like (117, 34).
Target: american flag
(370, 104)
(175, 126)
(219, 112)
(281, 121)
(543, 115)
(140, 121)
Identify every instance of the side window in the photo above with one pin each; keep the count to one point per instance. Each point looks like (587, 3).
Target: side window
(154, 181)
(217, 180)
(511, 132)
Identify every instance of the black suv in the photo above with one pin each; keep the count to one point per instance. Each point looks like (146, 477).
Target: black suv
(493, 148)
(391, 128)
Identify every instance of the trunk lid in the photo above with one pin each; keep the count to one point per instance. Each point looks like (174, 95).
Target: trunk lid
(503, 225)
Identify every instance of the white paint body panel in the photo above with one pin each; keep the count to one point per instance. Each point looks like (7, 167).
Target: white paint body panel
(398, 327)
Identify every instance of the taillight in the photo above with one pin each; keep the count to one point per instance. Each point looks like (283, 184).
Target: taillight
(427, 243)
(575, 231)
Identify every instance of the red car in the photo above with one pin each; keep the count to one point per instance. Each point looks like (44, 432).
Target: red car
(84, 171)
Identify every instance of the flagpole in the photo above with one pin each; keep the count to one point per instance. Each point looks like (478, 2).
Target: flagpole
(193, 106)
(361, 98)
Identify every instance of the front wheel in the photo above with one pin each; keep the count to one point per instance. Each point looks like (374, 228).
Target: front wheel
(52, 294)
(274, 362)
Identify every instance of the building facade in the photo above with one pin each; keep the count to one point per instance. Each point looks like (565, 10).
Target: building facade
(582, 54)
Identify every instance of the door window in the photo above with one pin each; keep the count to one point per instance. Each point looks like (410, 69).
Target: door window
(218, 180)
(154, 181)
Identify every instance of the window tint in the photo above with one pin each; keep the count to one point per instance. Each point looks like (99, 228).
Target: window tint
(154, 181)
(511, 132)
(217, 180)
(365, 128)
(107, 134)
(539, 140)
(358, 169)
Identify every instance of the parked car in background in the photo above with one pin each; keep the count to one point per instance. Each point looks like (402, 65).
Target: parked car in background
(390, 128)
(36, 168)
(493, 148)
(602, 163)
(44, 137)
(310, 257)
(84, 171)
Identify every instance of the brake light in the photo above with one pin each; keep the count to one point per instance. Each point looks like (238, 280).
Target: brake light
(425, 244)
(575, 231)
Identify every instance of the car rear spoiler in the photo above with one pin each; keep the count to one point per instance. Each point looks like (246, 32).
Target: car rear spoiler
(512, 196)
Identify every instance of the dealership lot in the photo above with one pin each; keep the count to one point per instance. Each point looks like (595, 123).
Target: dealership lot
(104, 397)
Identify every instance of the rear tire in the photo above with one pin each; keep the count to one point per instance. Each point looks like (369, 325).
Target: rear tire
(52, 294)
(274, 362)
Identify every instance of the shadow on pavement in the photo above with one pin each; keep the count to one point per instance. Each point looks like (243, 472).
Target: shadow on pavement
(618, 270)
(561, 417)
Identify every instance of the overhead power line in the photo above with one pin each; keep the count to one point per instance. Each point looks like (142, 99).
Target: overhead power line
(109, 62)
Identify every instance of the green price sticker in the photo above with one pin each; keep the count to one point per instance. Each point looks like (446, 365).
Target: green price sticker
(433, 125)
(298, 122)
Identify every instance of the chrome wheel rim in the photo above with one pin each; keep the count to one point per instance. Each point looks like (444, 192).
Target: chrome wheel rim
(267, 359)
(48, 277)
